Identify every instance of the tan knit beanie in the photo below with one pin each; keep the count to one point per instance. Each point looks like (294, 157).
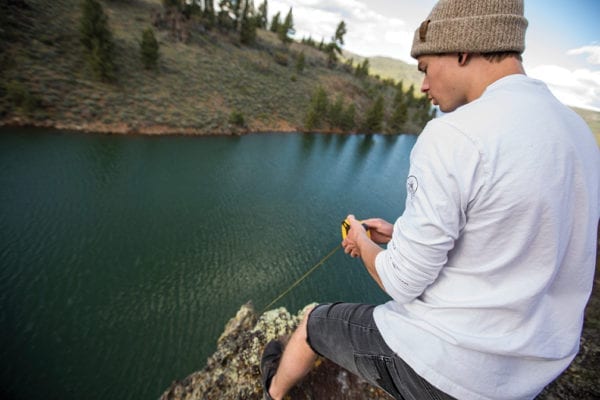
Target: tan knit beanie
(472, 26)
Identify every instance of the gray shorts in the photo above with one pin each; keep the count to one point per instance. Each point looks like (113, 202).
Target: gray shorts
(347, 335)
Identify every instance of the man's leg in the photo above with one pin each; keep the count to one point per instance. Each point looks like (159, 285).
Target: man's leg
(297, 360)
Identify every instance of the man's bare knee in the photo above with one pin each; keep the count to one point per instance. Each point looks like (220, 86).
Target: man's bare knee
(302, 327)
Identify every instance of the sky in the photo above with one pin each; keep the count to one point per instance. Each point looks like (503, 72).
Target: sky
(562, 45)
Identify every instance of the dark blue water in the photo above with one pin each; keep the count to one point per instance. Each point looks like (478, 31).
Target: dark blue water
(122, 258)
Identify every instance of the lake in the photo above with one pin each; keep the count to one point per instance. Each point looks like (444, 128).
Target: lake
(122, 257)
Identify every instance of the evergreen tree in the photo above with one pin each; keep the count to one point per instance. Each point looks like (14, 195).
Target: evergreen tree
(317, 110)
(287, 28)
(236, 9)
(248, 25)
(172, 4)
(262, 17)
(300, 63)
(97, 39)
(349, 65)
(400, 90)
(400, 114)
(335, 112)
(149, 49)
(209, 13)
(192, 9)
(399, 117)
(334, 48)
(224, 18)
(322, 44)
(362, 69)
(330, 50)
(275, 22)
(425, 111)
(410, 95)
(374, 118)
(309, 42)
(340, 32)
(348, 118)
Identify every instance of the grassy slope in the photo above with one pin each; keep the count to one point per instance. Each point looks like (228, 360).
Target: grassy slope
(196, 88)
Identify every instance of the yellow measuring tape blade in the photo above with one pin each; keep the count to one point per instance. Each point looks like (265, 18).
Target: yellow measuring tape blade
(310, 271)
(345, 229)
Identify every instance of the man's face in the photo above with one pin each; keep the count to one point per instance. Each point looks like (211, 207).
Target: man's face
(442, 81)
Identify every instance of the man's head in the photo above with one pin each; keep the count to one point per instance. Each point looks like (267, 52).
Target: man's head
(464, 45)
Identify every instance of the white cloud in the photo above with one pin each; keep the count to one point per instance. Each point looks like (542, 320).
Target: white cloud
(592, 51)
(578, 88)
(369, 33)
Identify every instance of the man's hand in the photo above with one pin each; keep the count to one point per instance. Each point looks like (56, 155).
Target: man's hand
(380, 230)
(359, 244)
(354, 234)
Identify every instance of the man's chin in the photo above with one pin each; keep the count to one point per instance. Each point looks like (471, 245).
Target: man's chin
(446, 109)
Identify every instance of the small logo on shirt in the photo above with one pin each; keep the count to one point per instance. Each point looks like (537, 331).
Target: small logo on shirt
(412, 185)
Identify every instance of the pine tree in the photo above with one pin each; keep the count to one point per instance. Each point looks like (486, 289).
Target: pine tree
(300, 63)
(340, 32)
(275, 22)
(172, 4)
(287, 28)
(237, 11)
(374, 118)
(348, 118)
(262, 17)
(224, 19)
(97, 39)
(191, 9)
(317, 110)
(149, 49)
(399, 118)
(425, 112)
(322, 45)
(400, 114)
(209, 13)
(410, 96)
(362, 69)
(334, 48)
(335, 112)
(248, 25)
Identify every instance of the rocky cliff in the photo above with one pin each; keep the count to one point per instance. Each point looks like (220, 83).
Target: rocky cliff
(232, 372)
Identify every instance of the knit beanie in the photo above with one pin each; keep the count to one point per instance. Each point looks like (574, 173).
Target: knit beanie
(472, 26)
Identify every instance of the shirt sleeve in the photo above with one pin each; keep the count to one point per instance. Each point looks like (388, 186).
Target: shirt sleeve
(442, 180)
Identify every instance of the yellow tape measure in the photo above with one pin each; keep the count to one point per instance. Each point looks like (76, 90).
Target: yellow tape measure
(346, 228)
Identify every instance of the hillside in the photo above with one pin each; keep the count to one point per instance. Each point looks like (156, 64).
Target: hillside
(390, 68)
(198, 85)
(593, 120)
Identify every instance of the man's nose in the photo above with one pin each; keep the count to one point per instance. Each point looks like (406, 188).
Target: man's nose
(425, 85)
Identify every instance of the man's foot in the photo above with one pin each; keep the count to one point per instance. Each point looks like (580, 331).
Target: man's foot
(269, 363)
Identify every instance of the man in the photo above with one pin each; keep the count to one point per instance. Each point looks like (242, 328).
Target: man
(491, 264)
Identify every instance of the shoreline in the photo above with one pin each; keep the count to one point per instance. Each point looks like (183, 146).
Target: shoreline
(123, 128)
(126, 129)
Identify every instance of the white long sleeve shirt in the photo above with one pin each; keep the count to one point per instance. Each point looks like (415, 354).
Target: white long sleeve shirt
(492, 262)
